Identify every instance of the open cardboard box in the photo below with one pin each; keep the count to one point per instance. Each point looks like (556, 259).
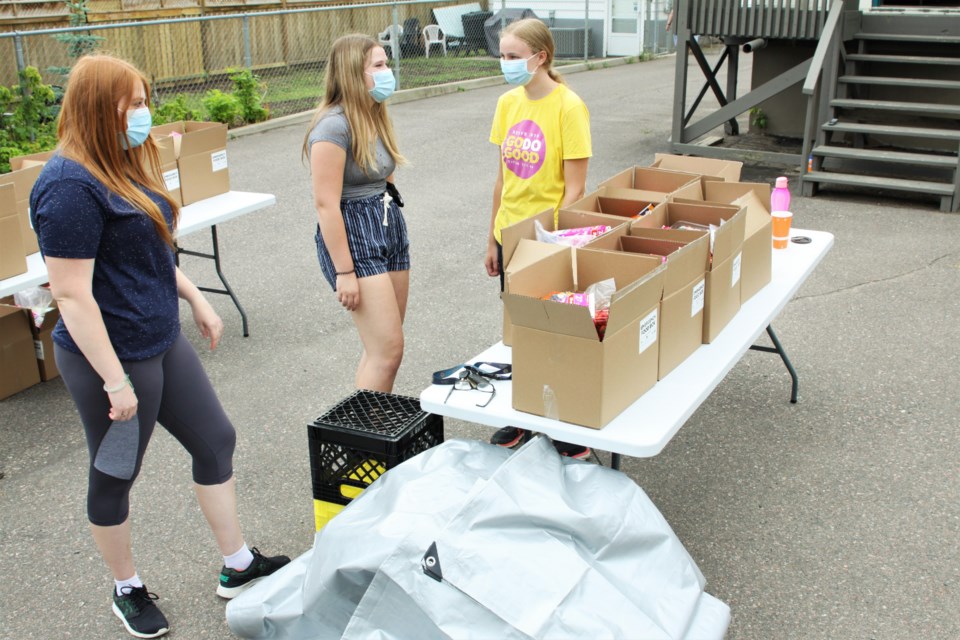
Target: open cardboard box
(623, 203)
(757, 266)
(200, 149)
(723, 269)
(13, 259)
(169, 171)
(726, 170)
(561, 367)
(511, 236)
(653, 184)
(686, 255)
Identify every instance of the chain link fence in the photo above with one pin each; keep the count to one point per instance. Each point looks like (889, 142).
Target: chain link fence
(188, 58)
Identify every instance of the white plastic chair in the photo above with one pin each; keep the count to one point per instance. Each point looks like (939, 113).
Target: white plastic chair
(432, 34)
(390, 37)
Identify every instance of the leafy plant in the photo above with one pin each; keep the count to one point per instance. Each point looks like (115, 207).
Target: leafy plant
(758, 118)
(28, 114)
(175, 110)
(78, 44)
(247, 91)
(223, 107)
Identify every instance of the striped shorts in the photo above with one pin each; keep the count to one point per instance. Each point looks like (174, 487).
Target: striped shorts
(378, 242)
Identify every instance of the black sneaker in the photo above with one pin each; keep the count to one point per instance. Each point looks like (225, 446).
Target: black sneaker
(139, 615)
(233, 582)
(571, 450)
(508, 437)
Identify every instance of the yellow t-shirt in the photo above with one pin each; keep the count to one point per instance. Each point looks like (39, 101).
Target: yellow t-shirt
(535, 137)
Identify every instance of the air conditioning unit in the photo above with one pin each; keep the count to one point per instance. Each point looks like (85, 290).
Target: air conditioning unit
(569, 41)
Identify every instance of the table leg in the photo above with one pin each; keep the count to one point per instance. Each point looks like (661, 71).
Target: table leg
(615, 461)
(778, 349)
(215, 256)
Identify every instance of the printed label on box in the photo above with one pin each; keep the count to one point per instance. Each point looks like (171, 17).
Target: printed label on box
(172, 179)
(38, 349)
(219, 160)
(735, 276)
(696, 305)
(648, 330)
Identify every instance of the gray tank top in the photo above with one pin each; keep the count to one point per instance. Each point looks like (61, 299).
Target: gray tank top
(333, 127)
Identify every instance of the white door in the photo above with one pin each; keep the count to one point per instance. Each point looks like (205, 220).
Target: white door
(623, 28)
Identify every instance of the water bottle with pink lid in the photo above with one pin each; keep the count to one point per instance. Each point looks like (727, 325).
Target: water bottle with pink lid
(780, 210)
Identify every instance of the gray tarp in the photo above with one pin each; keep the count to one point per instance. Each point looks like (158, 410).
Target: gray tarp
(528, 545)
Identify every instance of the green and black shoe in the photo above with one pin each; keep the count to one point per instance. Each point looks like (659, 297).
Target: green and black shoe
(233, 582)
(139, 615)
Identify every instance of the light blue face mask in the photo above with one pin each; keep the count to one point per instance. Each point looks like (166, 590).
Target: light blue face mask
(138, 128)
(515, 71)
(383, 85)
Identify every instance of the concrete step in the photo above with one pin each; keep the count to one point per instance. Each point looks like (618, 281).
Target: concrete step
(880, 183)
(879, 57)
(925, 108)
(891, 130)
(926, 83)
(880, 155)
(897, 37)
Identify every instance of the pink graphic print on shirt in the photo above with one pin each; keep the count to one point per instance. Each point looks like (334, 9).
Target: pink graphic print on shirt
(524, 148)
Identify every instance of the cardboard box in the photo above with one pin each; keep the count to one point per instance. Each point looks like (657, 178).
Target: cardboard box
(654, 185)
(169, 171)
(511, 236)
(13, 259)
(724, 266)
(561, 368)
(18, 364)
(757, 266)
(201, 152)
(43, 344)
(684, 285)
(726, 170)
(22, 180)
(623, 203)
(30, 160)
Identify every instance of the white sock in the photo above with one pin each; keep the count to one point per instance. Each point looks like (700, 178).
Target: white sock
(133, 582)
(240, 560)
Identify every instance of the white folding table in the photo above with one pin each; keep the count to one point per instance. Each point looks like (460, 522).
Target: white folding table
(193, 217)
(644, 428)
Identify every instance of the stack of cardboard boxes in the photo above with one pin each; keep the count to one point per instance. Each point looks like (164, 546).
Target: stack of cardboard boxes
(688, 245)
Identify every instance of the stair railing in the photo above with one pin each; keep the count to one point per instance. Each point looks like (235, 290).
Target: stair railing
(819, 88)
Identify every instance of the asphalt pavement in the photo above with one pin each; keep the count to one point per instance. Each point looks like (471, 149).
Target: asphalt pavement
(837, 517)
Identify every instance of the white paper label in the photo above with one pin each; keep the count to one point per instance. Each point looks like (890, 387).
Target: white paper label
(735, 276)
(219, 160)
(648, 330)
(38, 349)
(172, 179)
(699, 291)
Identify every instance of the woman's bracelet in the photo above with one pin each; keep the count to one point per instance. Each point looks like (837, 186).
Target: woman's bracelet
(119, 387)
(345, 273)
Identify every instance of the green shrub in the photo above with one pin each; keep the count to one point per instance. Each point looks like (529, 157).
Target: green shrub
(222, 107)
(247, 89)
(28, 113)
(175, 110)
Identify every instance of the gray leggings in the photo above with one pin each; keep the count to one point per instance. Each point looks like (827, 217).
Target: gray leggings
(172, 389)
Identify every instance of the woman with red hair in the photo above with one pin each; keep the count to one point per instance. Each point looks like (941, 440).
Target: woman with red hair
(105, 226)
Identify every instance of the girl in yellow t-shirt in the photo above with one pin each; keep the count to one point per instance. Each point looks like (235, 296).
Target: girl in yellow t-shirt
(543, 131)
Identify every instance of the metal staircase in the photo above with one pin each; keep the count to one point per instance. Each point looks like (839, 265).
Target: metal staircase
(891, 117)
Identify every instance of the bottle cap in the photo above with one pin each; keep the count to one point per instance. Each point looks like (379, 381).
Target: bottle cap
(782, 183)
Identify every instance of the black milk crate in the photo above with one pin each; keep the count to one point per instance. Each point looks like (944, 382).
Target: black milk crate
(353, 443)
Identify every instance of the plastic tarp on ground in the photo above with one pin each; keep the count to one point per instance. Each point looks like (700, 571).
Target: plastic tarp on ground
(468, 541)
(496, 22)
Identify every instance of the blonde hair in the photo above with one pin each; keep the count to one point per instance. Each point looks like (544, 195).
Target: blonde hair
(89, 133)
(345, 87)
(535, 34)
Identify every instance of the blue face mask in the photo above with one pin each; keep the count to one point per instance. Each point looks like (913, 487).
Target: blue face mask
(138, 128)
(515, 71)
(383, 85)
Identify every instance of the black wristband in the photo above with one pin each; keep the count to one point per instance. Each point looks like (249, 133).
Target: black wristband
(345, 273)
